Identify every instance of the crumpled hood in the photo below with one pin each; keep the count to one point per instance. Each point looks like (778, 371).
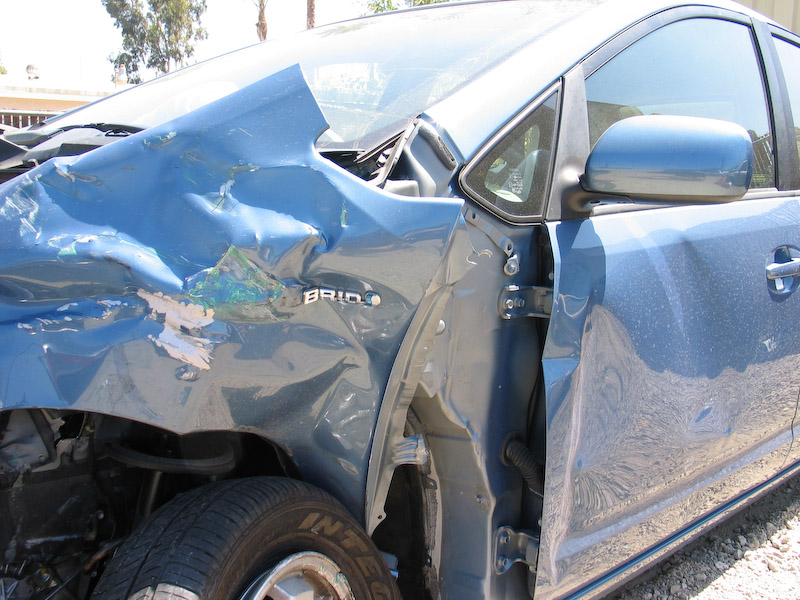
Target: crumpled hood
(161, 278)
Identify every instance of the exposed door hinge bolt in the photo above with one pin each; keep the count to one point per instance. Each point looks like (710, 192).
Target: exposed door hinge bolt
(512, 546)
(531, 301)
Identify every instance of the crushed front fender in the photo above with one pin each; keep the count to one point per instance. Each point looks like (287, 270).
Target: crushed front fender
(217, 273)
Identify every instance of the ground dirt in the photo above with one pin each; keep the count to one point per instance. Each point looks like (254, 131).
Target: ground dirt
(753, 555)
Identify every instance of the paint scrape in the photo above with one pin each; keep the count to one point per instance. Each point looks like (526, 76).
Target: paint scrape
(182, 322)
(237, 289)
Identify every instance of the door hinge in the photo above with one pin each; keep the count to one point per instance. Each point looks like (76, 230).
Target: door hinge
(525, 301)
(511, 546)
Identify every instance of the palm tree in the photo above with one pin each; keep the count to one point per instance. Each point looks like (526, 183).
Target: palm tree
(310, 8)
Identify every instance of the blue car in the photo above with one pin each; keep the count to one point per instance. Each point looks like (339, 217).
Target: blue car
(488, 300)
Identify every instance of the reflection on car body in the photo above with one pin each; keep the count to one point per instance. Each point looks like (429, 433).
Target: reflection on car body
(504, 308)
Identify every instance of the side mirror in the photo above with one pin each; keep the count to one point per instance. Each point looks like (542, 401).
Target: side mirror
(671, 159)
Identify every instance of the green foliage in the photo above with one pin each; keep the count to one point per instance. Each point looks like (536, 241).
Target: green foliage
(160, 36)
(379, 6)
(3, 70)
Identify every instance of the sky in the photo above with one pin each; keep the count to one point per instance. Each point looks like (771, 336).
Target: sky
(69, 41)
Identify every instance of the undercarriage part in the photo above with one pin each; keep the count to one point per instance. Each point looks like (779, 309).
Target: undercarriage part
(55, 511)
(403, 531)
(217, 459)
(73, 485)
(169, 460)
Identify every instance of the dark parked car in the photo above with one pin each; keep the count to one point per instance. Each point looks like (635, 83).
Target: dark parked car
(489, 300)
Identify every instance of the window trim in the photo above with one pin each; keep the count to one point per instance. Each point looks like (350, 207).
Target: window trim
(757, 52)
(570, 150)
(572, 130)
(497, 138)
(788, 159)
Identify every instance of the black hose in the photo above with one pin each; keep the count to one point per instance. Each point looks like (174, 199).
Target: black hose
(518, 455)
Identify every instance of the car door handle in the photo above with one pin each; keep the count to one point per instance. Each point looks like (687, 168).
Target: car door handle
(784, 269)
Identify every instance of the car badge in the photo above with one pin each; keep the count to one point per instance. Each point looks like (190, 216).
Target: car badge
(344, 296)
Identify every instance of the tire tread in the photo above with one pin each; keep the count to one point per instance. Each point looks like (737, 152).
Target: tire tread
(175, 554)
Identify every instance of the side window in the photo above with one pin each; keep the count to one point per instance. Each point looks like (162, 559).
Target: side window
(789, 55)
(512, 176)
(694, 68)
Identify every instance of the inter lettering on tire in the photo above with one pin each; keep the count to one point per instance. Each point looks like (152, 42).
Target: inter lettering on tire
(213, 542)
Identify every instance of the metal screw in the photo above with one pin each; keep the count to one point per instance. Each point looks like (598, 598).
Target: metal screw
(508, 304)
(502, 562)
(505, 538)
(519, 302)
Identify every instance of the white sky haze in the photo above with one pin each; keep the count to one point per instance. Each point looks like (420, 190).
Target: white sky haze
(69, 41)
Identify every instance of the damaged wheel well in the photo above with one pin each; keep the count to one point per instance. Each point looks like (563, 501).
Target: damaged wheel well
(72, 484)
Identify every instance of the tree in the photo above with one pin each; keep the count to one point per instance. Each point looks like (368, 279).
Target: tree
(310, 14)
(261, 25)
(159, 37)
(379, 6)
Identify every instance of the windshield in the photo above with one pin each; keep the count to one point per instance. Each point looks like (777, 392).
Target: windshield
(370, 76)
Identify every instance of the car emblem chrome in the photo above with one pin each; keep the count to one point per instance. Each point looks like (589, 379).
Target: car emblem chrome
(345, 297)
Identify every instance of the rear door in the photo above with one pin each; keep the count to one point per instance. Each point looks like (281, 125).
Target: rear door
(671, 364)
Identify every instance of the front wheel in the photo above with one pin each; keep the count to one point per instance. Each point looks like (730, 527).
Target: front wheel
(249, 539)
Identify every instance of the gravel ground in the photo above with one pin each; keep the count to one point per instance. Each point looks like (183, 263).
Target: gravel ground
(755, 554)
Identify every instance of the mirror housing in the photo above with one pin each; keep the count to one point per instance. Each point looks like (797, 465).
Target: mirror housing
(671, 159)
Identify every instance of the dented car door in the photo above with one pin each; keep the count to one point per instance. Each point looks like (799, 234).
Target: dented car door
(672, 358)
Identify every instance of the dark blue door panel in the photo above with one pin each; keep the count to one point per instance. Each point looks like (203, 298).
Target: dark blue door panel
(671, 370)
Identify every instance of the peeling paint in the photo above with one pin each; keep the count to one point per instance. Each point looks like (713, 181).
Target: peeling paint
(178, 314)
(179, 320)
(192, 350)
(157, 141)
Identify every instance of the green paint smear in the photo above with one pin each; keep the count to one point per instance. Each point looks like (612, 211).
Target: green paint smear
(237, 290)
(68, 251)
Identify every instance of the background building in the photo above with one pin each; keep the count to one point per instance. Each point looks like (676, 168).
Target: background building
(26, 102)
(785, 12)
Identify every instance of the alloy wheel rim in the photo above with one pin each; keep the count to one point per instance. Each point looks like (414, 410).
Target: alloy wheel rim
(301, 576)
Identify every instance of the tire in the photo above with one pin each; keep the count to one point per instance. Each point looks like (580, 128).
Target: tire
(221, 541)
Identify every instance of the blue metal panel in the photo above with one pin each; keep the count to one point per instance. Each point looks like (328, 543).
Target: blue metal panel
(671, 371)
(161, 279)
